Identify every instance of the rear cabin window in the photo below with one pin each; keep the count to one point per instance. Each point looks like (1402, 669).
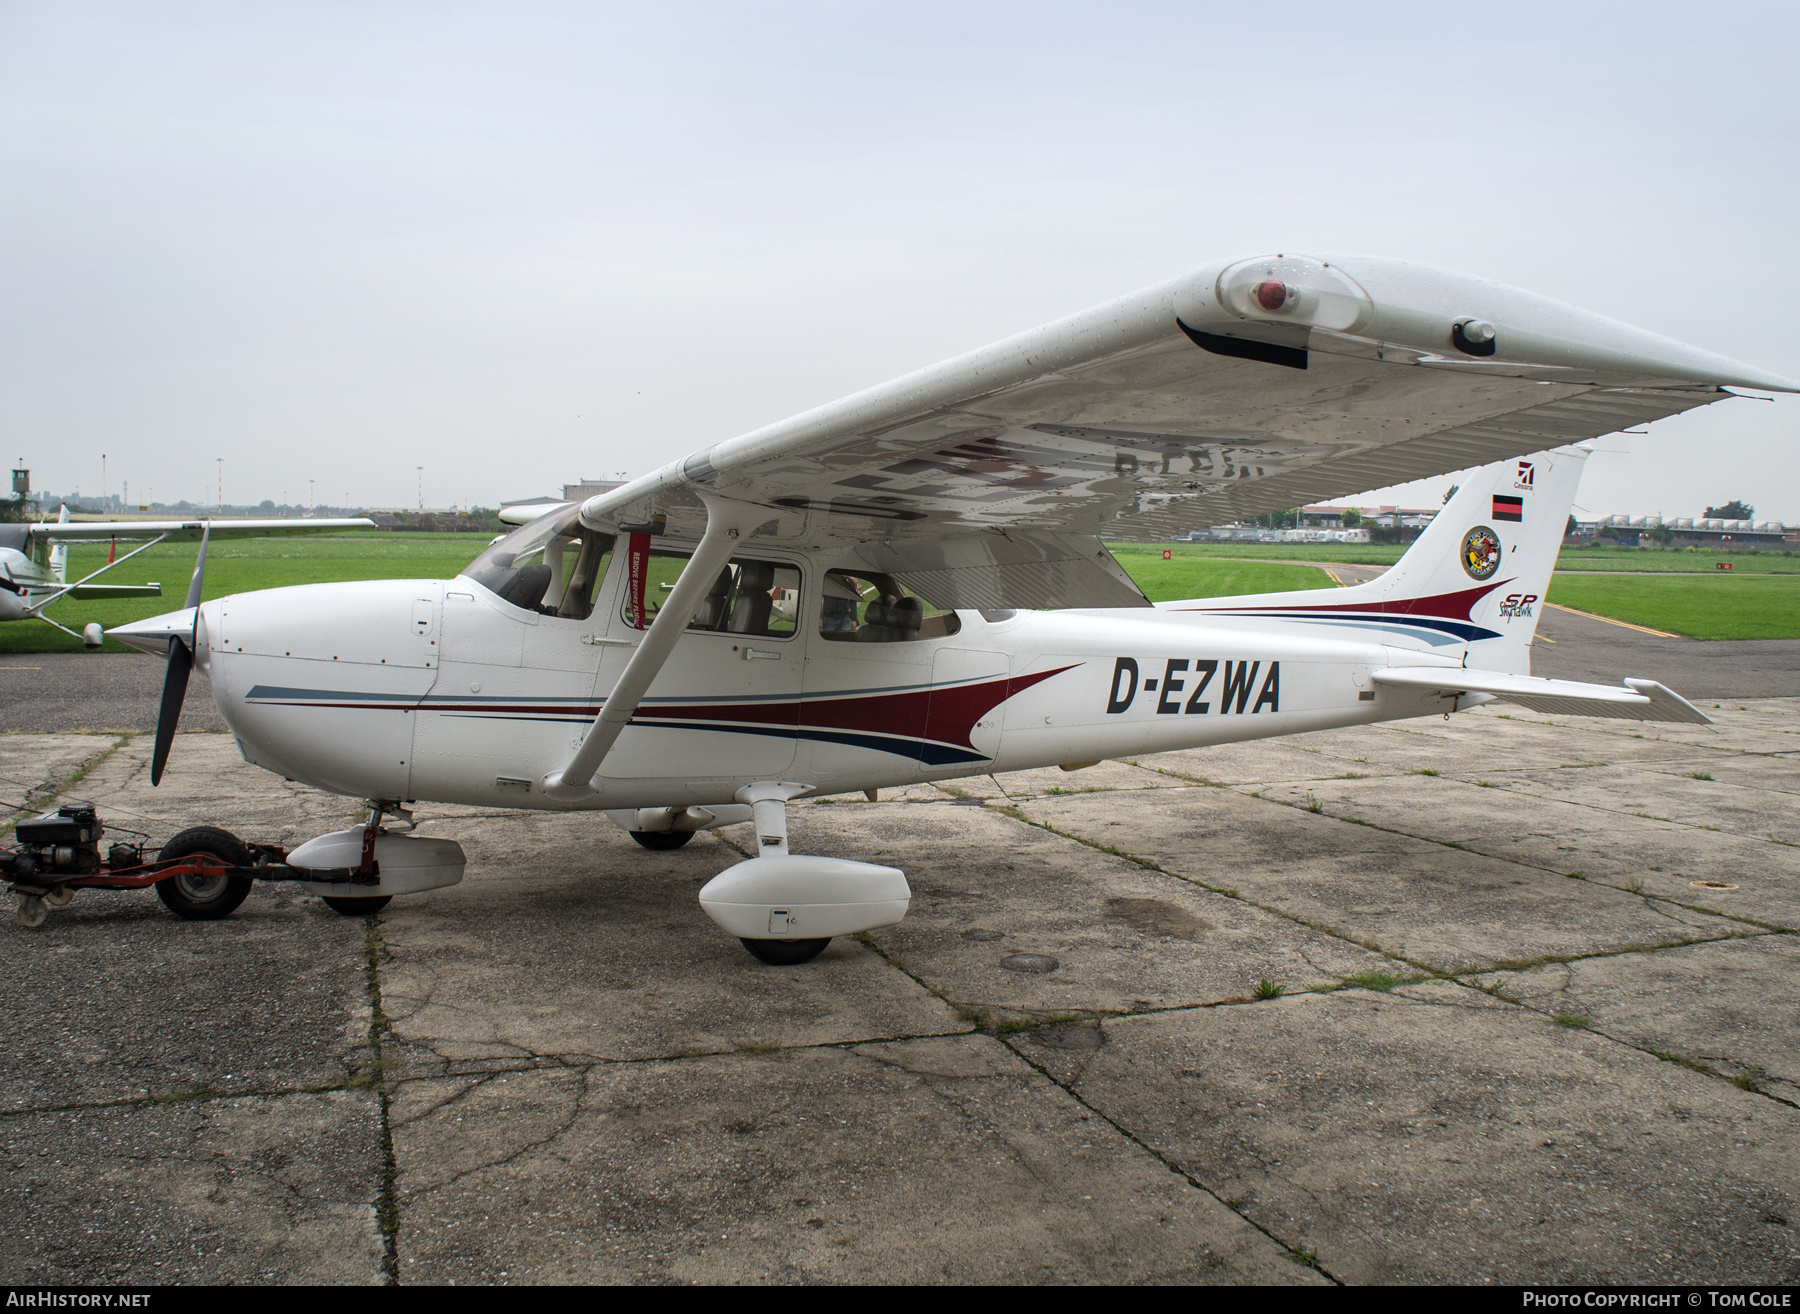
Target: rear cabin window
(552, 566)
(756, 598)
(857, 607)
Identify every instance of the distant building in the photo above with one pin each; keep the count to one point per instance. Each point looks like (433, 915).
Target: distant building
(588, 487)
(1391, 517)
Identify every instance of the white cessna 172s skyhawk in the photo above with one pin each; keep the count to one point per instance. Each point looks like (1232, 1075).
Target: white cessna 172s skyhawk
(910, 584)
(34, 558)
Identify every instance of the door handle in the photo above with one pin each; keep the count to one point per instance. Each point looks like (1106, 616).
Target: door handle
(752, 655)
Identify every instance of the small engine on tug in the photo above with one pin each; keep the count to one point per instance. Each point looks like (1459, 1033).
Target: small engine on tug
(204, 873)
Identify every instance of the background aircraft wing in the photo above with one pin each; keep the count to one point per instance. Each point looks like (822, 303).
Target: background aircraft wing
(525, 512)
(1245, 387)
(90, 592)
(125, 530)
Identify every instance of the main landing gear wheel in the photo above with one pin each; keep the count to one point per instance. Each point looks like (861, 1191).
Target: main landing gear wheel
(785, 953)
(373, 903)
(204, 897)
(662, 839)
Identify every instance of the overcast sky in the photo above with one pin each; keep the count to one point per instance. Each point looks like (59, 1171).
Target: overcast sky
(522, 243)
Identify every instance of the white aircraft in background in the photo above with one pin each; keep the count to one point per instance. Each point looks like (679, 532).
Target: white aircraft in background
(910, 584)
(34, 558)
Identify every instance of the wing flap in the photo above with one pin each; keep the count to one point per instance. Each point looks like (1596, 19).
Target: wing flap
(1635, 700)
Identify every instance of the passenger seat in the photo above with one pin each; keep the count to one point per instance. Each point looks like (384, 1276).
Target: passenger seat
(750, 613)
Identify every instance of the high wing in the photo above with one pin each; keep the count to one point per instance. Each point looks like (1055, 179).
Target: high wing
(179, 530)
(1246, 386)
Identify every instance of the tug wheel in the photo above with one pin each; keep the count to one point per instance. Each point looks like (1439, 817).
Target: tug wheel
(205, 897)
(59, 897)
(31, 911)
(362, 907)
(662, 839)
(785, 953)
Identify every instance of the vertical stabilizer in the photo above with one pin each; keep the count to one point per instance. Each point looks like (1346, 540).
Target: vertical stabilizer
(59, 554)
(1494, 545)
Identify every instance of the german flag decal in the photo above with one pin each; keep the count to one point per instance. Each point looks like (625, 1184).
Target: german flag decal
(1509, 508)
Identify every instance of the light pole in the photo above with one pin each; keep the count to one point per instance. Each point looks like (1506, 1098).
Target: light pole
(421, 488)
(309, 495)
(221, 461)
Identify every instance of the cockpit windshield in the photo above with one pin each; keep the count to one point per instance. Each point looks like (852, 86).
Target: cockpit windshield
(552, 566)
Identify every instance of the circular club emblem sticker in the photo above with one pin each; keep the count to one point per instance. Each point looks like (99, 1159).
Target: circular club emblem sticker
(1481, 552)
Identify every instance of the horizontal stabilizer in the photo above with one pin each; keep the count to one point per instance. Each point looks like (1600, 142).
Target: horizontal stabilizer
(85, 592)
(1635, 700)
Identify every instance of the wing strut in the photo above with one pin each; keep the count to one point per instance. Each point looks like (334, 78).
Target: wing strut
(574, 782)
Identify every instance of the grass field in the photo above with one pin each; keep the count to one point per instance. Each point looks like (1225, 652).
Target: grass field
(1702, 608)
(1675, 560)
(1356, 554)
(238, 567)
(247, 564)
(1196, 577)
(1712, 605)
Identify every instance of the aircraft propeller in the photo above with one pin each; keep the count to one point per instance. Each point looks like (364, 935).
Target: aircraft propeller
(181, 664)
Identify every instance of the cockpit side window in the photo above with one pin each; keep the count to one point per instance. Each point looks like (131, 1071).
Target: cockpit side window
(864, 607)
(552, 566)
(759, 599)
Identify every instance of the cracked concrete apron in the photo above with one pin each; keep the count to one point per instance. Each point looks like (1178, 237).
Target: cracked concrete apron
(1512, 1040)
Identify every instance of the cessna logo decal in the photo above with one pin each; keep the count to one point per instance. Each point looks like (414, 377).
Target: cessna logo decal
(1515, 605)
(1183, 687)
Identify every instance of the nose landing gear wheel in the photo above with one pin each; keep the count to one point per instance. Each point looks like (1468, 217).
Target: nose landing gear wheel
(785, 953)
(357, 907)
(205, 897)
(662, 839)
